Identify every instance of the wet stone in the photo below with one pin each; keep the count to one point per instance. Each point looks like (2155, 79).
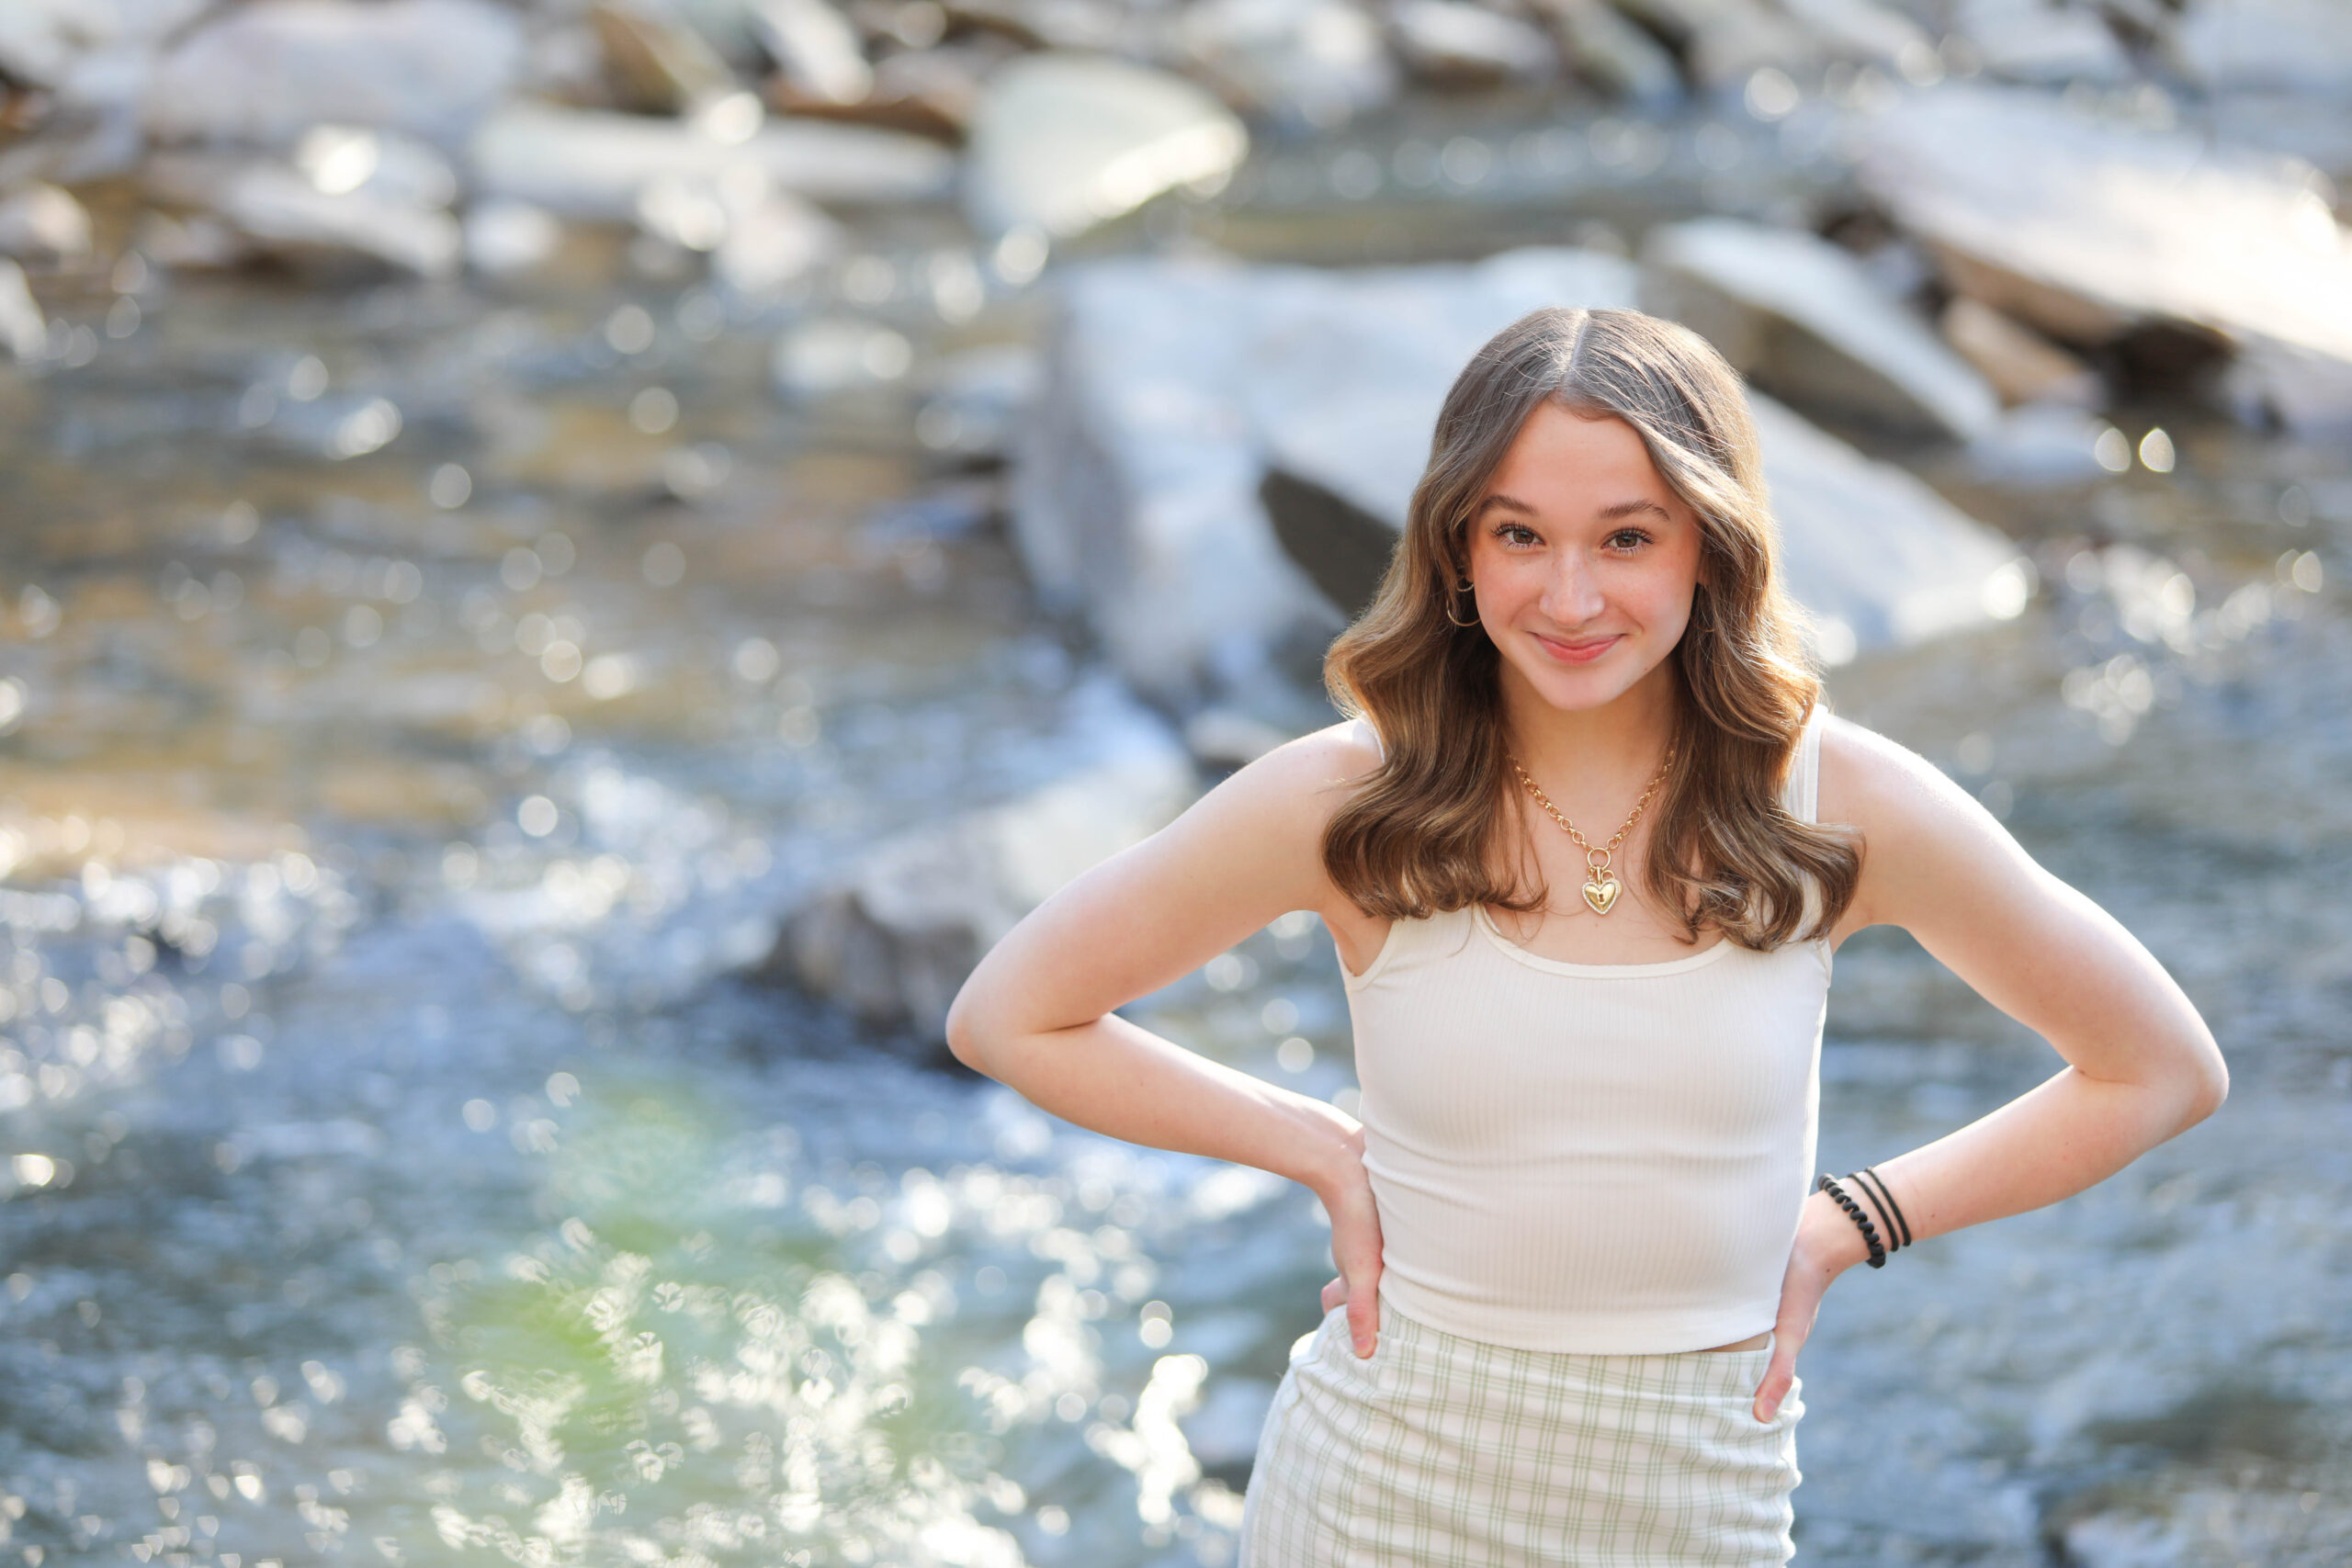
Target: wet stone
(264, 73)
(2023, 366)
(895, 937)
(1451, 43)
(1803, 318)
(276, 209)
(586, 163)
(1317, 62)
(2094, 232)
(45, 225)
(2036, 41)
(1608, 50)
(1061, 142)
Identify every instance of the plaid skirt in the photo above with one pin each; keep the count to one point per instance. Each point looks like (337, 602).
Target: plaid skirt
(1445, 1452)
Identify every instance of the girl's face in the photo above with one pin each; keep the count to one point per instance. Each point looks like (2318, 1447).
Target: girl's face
(1583, 559)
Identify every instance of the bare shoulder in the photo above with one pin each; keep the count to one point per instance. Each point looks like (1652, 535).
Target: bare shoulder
(1310, 777)
(1254, 839)
(1918, 829)
(1867, 779)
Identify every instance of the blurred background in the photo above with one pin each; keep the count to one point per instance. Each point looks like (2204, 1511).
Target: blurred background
(568, 566)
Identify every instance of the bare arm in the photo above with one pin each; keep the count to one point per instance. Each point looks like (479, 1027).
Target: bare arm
(1036, 1014)
(2141, 1064)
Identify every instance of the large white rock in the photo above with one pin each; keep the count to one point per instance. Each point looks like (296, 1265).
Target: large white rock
(24, 332)
(2088, 231)
(1315, 61)
(1802, 316)
(44, 224)
(1454, 43)
(1611, 52)
(40, 39)
(815, 48)
(264, 73)
(285, 212)
(1864, 29)
(2041, 40)
(2298, 44)
(1723, 42)
(1061, 142)
(584, 163)
(1183, 399)
(894, 936)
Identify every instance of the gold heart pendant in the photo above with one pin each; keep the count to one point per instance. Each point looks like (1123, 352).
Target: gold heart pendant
(1600, 894)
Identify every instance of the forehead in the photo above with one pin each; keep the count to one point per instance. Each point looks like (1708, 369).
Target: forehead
(1561, 458)
(1564, 464)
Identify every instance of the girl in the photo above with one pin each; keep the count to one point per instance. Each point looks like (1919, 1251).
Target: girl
(1585, 846)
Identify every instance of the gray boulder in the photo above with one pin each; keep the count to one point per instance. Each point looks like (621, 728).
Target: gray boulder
(2091, 232)
(40, 39)
(264, 73)
(301, 217)
(2023, 366)
(1607, 49)
(1315, 62)
(815, 48)
(1722, 41)
(894, 936)
(2041, 40)
(1802, 317)
(1452, 43)
(583, 164)
(1220, 457)
(2299, 45)
(1864, 29)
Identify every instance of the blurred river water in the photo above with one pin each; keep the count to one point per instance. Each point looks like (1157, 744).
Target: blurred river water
(419, 699)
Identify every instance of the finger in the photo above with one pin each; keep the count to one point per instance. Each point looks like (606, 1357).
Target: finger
(1788, 1338)
(1334, 1294)
(1363, 1317)
(1778, 1377)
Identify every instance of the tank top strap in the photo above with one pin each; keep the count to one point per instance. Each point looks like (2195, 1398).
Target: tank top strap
(1802, 793)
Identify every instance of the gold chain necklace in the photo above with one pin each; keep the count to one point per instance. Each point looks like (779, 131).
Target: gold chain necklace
(1600, 885)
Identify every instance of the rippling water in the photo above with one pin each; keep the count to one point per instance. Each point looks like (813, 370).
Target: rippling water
(415, 702)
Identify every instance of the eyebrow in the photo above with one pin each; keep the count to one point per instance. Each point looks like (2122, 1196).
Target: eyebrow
(1609, 513)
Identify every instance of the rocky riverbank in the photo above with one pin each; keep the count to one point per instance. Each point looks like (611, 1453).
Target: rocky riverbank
(567, 564)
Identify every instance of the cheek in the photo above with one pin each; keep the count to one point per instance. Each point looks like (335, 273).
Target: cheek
(1665, 602)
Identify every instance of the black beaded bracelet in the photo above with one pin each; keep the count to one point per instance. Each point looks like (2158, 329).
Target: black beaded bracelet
(1829, 1184)
(1883, 1197)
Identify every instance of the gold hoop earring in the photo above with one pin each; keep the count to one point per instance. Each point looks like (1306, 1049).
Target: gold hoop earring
(1460, 588)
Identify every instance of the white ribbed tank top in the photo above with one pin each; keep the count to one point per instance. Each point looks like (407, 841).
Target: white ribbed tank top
(1601, 1158)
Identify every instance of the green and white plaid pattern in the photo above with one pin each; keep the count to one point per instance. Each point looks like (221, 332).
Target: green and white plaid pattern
(1445, 1452)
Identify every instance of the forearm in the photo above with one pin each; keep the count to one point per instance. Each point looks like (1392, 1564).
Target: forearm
(1126, 1082)
(2065, 1134)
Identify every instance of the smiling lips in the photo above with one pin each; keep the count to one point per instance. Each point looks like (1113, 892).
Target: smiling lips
(1579, 652)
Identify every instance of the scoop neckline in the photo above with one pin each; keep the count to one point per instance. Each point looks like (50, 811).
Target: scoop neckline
(1704, 956)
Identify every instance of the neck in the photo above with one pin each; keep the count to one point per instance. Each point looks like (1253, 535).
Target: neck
(1593, 750)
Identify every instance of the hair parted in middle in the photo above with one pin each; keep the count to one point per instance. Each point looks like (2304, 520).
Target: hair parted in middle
(1427, 831)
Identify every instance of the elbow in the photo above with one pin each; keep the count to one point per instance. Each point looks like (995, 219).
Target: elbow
(2204, 1090)
(2212, 1088)
(966, 1031)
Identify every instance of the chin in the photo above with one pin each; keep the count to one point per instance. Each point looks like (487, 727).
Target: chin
(1574, 690)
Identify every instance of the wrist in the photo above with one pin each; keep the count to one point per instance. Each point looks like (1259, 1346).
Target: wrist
(1330, 1149)
(1830, 1239)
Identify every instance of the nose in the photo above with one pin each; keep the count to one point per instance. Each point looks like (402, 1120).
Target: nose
(1572, 596)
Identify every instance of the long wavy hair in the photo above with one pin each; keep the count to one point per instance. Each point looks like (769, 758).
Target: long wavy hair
(1433, 827)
